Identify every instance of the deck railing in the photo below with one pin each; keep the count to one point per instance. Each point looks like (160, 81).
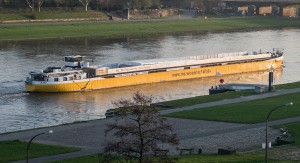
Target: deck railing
(220, 55)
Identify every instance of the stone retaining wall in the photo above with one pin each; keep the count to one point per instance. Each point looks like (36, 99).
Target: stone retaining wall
(152, 13)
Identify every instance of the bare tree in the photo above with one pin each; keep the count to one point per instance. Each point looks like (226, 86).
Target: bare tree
(40, 3)
(85, 3)
(139, 131)
(31, 4)
(207, 5)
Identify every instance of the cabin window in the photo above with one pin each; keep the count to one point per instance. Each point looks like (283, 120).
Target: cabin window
(72, 59)
(55, 79)
(65, 78)
(71, 78)
(79, 77)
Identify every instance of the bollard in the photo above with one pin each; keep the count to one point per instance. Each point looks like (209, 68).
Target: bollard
(199, 151)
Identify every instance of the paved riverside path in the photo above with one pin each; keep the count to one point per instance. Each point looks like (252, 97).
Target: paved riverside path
(193, 133)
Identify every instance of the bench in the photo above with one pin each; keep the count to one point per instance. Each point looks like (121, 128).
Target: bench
(226, 151)
(160, 152)
(185, 150)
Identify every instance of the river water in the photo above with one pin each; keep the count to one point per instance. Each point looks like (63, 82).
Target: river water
(21, 110)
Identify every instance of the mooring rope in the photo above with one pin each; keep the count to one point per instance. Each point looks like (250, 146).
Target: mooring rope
(84, 87)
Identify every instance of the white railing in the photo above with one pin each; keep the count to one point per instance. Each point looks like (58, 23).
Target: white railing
(220, 55)
(201, 59)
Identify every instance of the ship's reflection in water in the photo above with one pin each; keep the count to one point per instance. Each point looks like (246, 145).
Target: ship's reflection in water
(69, 107)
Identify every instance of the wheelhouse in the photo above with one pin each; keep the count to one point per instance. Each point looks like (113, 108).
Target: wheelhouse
(74, 61)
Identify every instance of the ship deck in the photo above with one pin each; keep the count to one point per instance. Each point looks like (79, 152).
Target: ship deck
(187, 66)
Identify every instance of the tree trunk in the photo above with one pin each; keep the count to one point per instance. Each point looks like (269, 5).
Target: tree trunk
(40, 3)
(31, 6)
(85, 4)
(142, 142)
(141, 151)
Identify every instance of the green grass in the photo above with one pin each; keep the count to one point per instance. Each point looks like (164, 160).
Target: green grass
(288, 86)
(94, 158)
(253, 157)
(222, 158)
(70, 15)
(293, 129)
(86, 159)
(114, 29)
(205, 99)
(246, 112)
(13, 16)
(16, 150)
(217, 97)
(51, 15)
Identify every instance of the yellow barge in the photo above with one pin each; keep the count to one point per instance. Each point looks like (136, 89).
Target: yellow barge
(78, 75)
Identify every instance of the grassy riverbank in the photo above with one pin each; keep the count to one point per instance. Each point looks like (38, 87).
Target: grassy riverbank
(113, 29)
(11, 16)
(184, 158)
(203, 99)
(276, 154)
(16, 150)
(217, 97)
(245, 112)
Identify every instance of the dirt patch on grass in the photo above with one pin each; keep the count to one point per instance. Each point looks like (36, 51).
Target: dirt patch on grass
(285, 153)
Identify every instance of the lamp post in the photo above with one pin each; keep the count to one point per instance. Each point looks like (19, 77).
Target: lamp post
(28, 145)
(267, 144)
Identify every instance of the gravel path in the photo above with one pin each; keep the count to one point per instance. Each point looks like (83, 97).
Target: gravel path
(210, 136)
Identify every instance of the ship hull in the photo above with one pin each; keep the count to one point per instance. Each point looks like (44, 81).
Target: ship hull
(101, 83)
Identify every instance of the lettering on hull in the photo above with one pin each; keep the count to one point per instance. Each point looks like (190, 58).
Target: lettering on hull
(206, 71)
